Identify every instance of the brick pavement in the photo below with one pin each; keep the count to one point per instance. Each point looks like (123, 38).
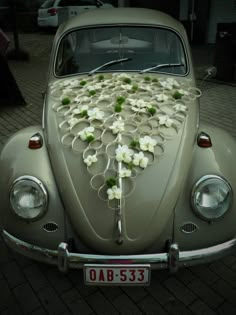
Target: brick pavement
(28, 287)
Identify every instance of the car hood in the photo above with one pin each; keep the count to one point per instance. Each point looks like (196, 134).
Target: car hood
(119, 182)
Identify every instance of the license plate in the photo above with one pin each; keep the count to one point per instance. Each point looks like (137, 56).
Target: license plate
(117, 275)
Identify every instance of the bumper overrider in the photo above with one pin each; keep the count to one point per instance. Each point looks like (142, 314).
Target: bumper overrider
(172, 260)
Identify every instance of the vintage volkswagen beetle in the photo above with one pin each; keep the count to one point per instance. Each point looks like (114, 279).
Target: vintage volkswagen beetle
(121, 178)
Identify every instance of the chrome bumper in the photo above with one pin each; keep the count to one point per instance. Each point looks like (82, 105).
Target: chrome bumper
(171, 260)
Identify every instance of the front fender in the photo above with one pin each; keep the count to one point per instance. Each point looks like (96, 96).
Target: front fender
(217, 160)
(16, 160)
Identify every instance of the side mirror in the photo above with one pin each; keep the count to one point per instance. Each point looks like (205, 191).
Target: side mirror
(210, 72)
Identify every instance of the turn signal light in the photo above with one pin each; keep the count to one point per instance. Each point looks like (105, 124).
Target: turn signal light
(204, 140)
(36, 142)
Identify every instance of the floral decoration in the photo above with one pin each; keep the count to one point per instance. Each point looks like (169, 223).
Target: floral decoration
(90, 159)
(86, 132)
(140, 160)
(120, 118)
(147, 144)
(114, 193)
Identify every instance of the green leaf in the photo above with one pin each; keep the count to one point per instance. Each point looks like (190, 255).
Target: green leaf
(177, 95)
(127, 80)
(120, 100)
(111, 182)
(130, 165)
(100, 77)
(82, 83)
(135, 88)
(84, 113)
(134, 144)
(118, 108)
(147, 79)
(92, 92)
(90, 138)
(65, 101)
(152, 110)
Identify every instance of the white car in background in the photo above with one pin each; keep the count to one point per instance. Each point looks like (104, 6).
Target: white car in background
(54, 12)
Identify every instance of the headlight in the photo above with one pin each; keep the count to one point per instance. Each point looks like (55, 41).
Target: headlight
(28, 198)
(211, 197)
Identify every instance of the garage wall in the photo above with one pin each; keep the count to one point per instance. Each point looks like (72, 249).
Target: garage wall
(222, 11)
(183, 12)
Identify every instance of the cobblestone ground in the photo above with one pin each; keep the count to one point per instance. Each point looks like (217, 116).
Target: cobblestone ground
(28, 287)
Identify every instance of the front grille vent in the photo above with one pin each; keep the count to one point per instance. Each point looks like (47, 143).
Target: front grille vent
(50, 227)
(189, 228)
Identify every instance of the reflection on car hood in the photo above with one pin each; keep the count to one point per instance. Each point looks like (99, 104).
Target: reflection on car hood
(120, 146)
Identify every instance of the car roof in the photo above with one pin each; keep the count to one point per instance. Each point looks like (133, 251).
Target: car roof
(114, 16)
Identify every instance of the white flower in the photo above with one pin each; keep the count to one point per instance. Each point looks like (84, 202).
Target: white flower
(68, 91)
(117, 126)
(121, 75)
(80, 99)
(127, 87)
(74, 83)
(65, 96)
(114, 193)
(65, 82)
(123, 153)
(72, 121)
(162, 98)
(90, 87)
(145, 87)
(103, 97)
(183, 92)
(173, 82)
(142, 103)
(80, 109)
(180, 108)
(94, 87)
(139, 105)
(169, 84)
(132, 101)
(90, 159)
(95, 113)
(86, 132)
(138, 110)
(124, 172)
(140, 160)
(147, 144)
(165, 120)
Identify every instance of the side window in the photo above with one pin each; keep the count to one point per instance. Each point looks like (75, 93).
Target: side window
(85, 2)
(64, 3)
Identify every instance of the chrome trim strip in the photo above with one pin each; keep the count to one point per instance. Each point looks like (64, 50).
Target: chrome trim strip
(158, 261)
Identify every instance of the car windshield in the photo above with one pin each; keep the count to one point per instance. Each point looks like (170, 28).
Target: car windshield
(106, 49)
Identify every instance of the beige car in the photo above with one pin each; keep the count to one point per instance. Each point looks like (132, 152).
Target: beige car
(121, 179)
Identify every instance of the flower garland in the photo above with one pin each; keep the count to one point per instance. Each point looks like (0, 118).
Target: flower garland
(120, 119)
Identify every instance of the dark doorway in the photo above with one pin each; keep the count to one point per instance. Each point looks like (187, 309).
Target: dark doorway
(200, 24)
(168, 6)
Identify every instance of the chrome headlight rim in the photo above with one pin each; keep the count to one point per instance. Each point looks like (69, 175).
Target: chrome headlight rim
(195, 189)
(38, 182)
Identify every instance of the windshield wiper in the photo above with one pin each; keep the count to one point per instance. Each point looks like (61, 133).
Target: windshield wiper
(163, 65)
(109, 63)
